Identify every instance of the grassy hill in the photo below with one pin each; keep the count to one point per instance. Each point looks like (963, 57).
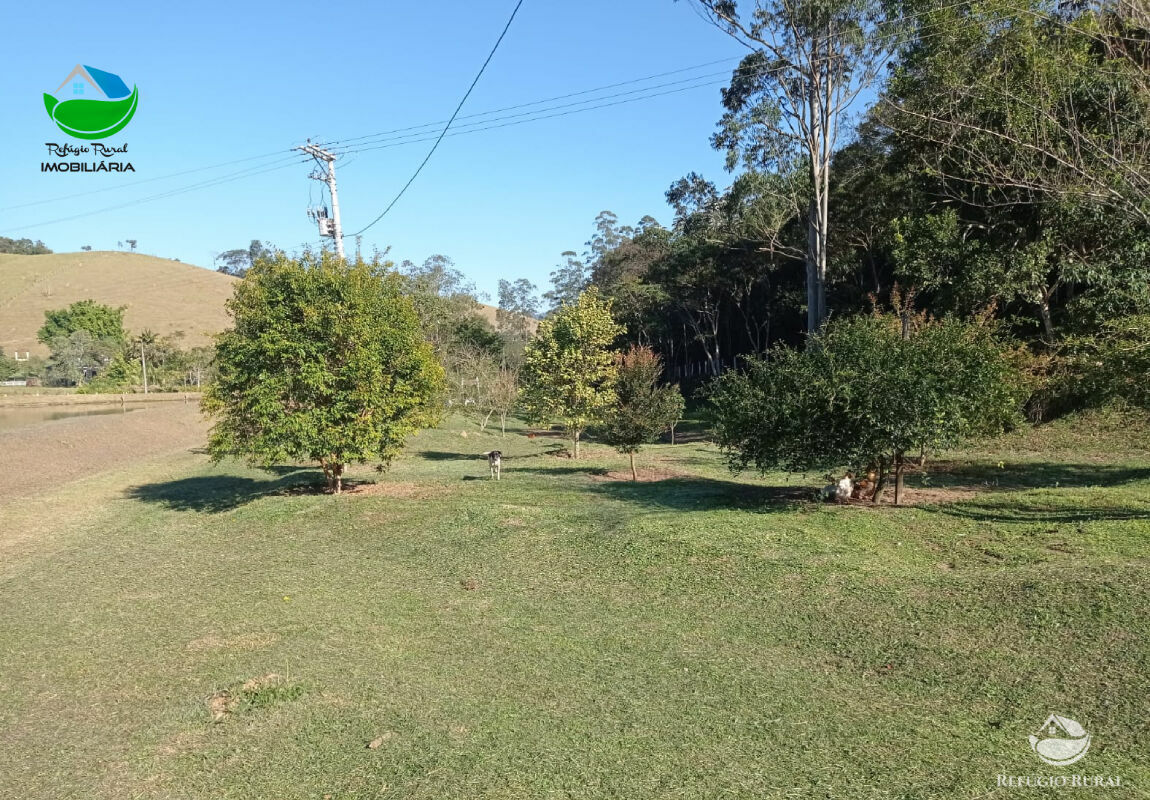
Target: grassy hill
(163, 295)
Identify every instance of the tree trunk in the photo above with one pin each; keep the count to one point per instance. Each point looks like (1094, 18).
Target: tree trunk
(880, 480)
(898, 461)
(503, 425)
(337, 470)
(1047, 320)
(812, 272)
(634, 474)
(575, 450)
(144, 365)
(673, 433)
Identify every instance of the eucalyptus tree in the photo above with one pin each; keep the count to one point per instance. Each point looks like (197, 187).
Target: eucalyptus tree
(789, 102)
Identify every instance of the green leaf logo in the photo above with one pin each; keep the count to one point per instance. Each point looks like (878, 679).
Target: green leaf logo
(91, 103)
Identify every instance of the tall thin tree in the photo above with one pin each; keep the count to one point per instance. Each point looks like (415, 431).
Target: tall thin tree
(789, 100)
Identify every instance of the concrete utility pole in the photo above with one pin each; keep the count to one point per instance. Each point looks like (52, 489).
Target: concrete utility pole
(327, 227)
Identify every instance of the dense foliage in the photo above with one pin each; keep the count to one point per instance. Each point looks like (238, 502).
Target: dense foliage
(23, 247)
(1004, 164)
(100, 321)
(326, 362)
(867, 392)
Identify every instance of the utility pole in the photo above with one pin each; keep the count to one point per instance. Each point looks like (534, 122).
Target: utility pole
(326, 173)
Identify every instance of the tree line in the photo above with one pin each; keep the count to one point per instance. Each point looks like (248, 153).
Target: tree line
(998, 170)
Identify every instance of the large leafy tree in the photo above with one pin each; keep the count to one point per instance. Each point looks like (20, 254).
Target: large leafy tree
(866, 392)
(569, 368)
(644, 406)
(326, 362)
(568, 280)
(79, 356)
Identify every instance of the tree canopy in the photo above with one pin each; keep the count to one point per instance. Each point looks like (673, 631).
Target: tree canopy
(866, 392)
(102, 322)
(326, 362)
(569, 368)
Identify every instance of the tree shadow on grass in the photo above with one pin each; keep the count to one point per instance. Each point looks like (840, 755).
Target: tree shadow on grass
(556, 470)
(1025, 475)
(446, 455)
(1038, 512)
(217, 493)
(691, 493)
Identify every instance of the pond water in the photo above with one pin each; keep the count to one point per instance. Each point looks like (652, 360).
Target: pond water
(19, 417)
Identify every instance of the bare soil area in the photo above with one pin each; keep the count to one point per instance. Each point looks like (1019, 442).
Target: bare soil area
(69, 449)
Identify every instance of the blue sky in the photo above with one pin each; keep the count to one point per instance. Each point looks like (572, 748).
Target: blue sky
(223, 81)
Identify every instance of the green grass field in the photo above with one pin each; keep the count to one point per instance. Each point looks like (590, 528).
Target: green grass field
(183, 630)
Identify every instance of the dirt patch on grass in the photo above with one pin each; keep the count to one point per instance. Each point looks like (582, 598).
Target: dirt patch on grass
(78, 447)
(933, 496)
(401, 489)
(220, 704)
(649, 475)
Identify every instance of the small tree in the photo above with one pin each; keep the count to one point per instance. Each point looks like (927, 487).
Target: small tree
(864, 393)
(325, 362)
(569, 369)
(79, 356)
(142, 346)
(644, 408)
(504, 394)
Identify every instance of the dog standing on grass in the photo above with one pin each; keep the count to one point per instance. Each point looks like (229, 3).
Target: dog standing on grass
(494, 463)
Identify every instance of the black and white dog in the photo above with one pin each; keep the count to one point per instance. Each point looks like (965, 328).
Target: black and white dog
(494, 462)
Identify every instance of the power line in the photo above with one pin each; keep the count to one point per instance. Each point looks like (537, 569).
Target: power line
(483, 125)
(443, 133)
(540, 102)
(536, 118)
(192, 171)
(245, 173)
(644, 91)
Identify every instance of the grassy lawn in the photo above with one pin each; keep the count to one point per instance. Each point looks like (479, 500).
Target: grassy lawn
(184, 630)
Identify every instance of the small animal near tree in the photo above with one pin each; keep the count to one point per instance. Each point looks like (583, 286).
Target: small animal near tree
(644, 408)
(325, 363)
(569, 368)
(866, 391)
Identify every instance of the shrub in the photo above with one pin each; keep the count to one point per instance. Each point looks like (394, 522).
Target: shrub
(865, 394)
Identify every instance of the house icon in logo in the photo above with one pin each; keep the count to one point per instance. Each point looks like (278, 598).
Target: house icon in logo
(91, 103)
(93, 84)
(1060, 741)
